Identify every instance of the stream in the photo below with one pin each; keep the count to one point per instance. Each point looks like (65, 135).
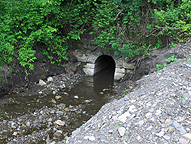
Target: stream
(22, 117)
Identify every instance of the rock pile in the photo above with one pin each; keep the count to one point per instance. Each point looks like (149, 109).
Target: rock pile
(158, 111)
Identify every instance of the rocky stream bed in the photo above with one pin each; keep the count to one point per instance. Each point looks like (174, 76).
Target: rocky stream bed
(157, 111)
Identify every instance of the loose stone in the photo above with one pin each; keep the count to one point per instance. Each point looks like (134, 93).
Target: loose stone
(179, 127)
(160, 134)
(183, 141)
(187, 136)
(50, 79)
(148, 115)
(58, 97)
(168, 122)
(59, 122)
(121, 131)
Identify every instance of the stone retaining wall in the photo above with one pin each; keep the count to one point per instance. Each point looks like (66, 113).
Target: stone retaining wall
(88, 52)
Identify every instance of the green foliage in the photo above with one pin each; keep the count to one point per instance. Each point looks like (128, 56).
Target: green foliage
(170, 60)
(130, 27)
(25, 23)
(175, 20)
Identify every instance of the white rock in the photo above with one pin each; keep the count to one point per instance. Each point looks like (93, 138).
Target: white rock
(187, 136)
(168, 122)
(40, 92)
(179, 127)
(148, 115)
(166, 137)
(160, 134)
(76, 97)
(149, 128)
(49, 79)
(42, 83)
(59, 122)
(141, 122)
(124, 116)
(158, 112)
(91, 138)
(138, 138)
(121, 131)
(15, 133)
(28, 124)
(86, 137)
(183, 141)
(88, 101)
(58, 97)
(132, 109)
(59, 131)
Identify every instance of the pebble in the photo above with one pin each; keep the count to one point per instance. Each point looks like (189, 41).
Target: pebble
(59, 112)
(149, 128)
(124, 116)
(148, 115)
(76, 97)
(28, 124)
(166, 137)
(179, 127)
(15, 133)
(171, 129)
(58, 97)
(59, 122)
(67, 109)
(42, 83)
(49, 79)
(183, 141)
(132, 109)
(187, 136)
(160, 134)
(158, 112)
(168, 122)
(121, 131)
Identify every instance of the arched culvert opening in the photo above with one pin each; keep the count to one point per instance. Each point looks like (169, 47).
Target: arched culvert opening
(104, 73)
(104, 62)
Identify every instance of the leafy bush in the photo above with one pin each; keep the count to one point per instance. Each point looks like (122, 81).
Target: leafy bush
(130, 27)
(174, 21)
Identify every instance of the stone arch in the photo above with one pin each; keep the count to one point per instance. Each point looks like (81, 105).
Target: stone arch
(102, 62)
(91, 56)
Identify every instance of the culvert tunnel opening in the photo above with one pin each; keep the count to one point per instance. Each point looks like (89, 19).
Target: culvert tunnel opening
(104, 73)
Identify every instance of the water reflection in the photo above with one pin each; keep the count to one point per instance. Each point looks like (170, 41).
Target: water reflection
(104, 79)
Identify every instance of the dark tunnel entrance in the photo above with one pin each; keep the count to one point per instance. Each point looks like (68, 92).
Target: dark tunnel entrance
(104, 73)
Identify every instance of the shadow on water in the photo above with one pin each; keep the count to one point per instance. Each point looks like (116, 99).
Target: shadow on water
(104, 79)
(92, 93)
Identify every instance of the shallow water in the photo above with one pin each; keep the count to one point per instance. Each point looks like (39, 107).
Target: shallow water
(90, 94)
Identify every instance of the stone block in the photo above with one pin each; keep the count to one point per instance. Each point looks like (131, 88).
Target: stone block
(88, 71)
(117, 76)
(90, 65)
(130, 66)
(92, 58)
(119, 70)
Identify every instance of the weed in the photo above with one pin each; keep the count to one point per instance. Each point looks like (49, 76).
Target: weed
(170, 60)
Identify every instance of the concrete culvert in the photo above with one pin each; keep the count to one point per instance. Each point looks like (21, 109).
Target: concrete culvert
(104, 62)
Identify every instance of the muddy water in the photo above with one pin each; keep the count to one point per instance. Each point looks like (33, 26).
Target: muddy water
(90, 95)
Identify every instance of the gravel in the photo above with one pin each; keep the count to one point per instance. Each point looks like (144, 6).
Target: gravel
(157, 111)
